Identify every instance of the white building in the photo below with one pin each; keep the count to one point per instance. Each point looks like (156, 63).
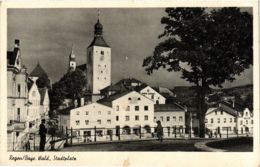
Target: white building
(44, 103)
(245, 121)
(17, 98)
(98, 63)
(132, 111)
(171, 116)
(34, 109)
(229, 119)
(150, 93)
(85, 118)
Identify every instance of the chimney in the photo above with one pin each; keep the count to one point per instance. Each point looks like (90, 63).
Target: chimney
(16, 43)
(233, 103)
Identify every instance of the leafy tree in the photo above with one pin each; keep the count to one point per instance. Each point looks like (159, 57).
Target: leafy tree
(208, 46)
(72, 86)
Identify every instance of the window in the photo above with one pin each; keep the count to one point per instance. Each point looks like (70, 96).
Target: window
(137, 118)
(86, 122)
(145, 108)
(206, 120)
(86, 112)
(168, 119)
(77, 112)
(235, 119)
(99, 112)
(252, 122)
(174, 118)
(117, 118)
(127, 118)
(216, 112)
(77, 122)
(139, 98)
(152, 96)
(218, 120)
(128, 108)
(154, 118)
(157, 101)
(230, 120)
(246, 113)
(246, 121)
(99, 122)
(136, 108)
(146, 117)
(241, 122)
(102, 52)
(212, 120)
(225, 120)
(221, 112)
(117, 108)
(19, 89)
(129, 98)
(18, 114)
(109, 112)
(109, 121)
(180, 118)
(161, 118)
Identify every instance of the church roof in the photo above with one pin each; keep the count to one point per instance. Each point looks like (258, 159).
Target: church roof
(98, 41)
(38, 71)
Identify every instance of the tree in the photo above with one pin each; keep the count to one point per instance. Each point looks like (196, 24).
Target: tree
(208, 47)
(72, 86)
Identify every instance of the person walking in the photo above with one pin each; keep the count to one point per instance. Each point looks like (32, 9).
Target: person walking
(42, 133)
(159, 130)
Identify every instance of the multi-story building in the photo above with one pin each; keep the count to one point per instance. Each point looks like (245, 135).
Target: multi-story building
(17, 98)
(133, 110)
(170, 115)
(86, 118)
(34, 108)
(245, 123)
(44, 103)
(228, 118)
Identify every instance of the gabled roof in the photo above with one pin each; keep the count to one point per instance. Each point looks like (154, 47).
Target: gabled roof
(108, 100)
(98, 41)
(141, 87)
(38, 71)
(11, 56)
(225, 108)
(42, 92)
(167, 107)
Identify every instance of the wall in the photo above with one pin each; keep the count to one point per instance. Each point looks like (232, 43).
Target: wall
(153, 95)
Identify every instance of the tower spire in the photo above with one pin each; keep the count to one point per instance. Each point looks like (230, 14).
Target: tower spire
(98, 14)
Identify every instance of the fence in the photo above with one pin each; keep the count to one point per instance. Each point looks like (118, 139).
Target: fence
(97, 134)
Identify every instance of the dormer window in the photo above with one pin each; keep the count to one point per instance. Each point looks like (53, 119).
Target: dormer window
(102, 52)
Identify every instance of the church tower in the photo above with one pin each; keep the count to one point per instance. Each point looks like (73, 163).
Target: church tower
(72, 61)
(98, 63)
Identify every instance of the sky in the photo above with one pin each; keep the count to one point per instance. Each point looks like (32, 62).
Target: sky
(46, 36)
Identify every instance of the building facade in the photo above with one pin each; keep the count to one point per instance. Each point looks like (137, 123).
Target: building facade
(17, 98)
(98, 63)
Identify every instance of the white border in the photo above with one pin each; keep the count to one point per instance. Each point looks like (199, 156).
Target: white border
(168, 159)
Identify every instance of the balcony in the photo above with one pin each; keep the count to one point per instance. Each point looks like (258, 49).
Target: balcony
(15, 125)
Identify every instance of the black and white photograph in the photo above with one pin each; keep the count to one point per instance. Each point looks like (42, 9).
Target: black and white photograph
(130, 79)
(129, 84)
